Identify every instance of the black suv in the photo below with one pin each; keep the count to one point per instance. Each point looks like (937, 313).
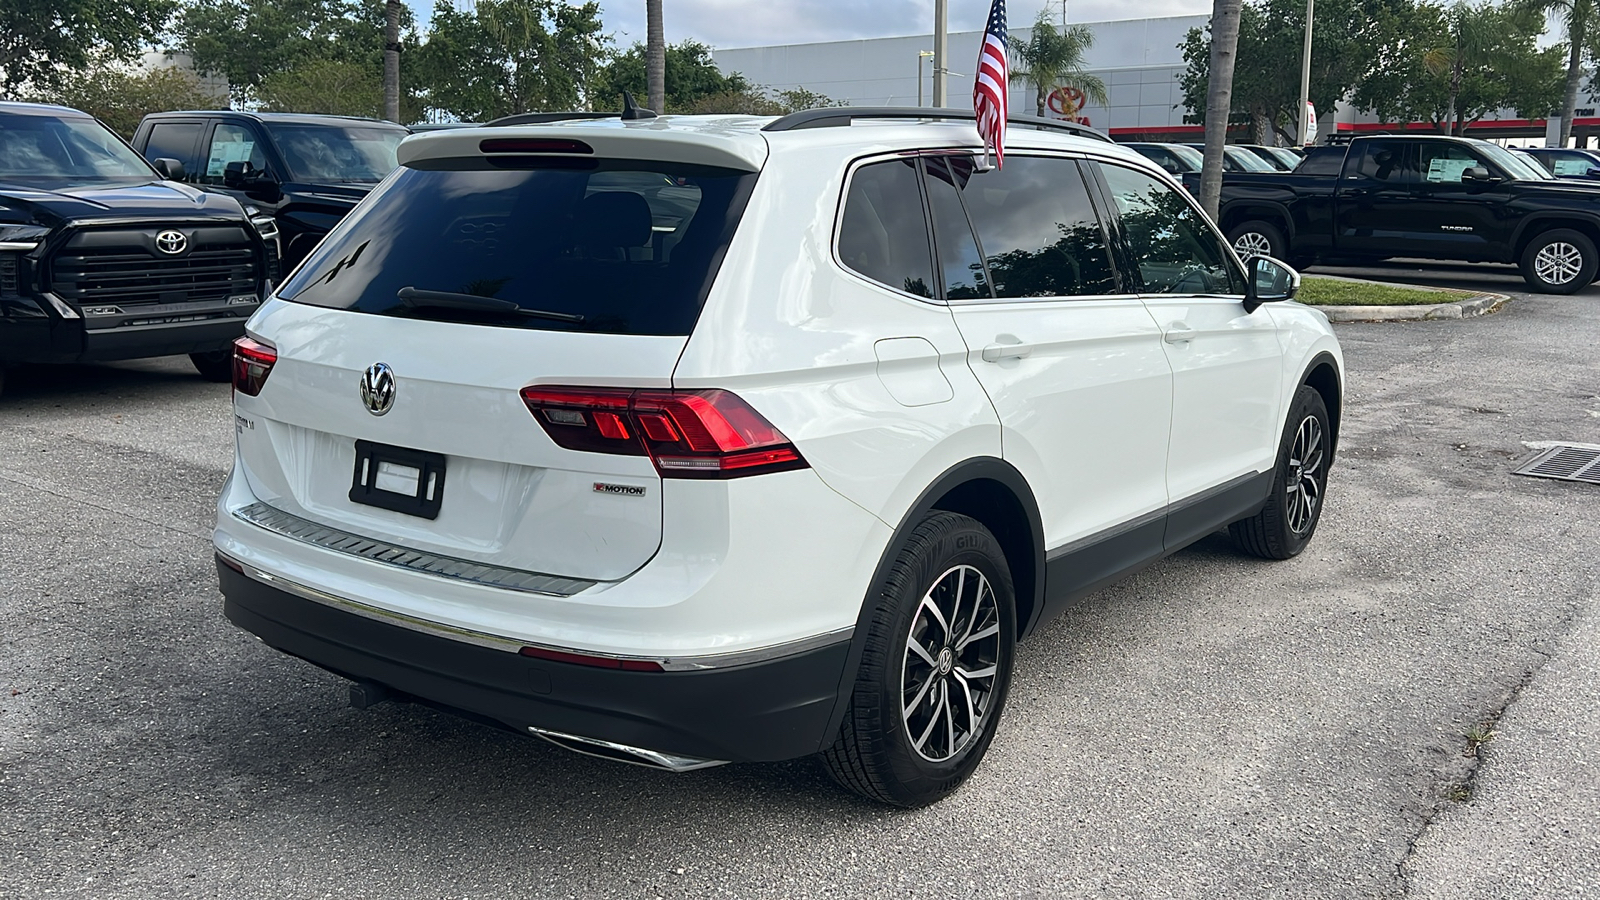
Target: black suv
(101, 258)
(306, 171)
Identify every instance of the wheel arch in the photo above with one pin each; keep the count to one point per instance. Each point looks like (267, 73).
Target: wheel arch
(992, 491)
(1242, 211)
(1322, 375)
(1536, 225)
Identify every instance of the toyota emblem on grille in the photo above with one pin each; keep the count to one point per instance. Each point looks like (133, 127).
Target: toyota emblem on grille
(377, 388)
(171, 242)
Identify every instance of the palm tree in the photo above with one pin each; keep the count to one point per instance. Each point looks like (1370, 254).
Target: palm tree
(1052, 58)
(655, 57)
(391, 60)
(1219, 98)
(1472, 31)
(1574, 17)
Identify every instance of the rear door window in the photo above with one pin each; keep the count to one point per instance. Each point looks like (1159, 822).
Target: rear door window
(1385, 161)
(611, 246)
(883, 234)
(1038, 230)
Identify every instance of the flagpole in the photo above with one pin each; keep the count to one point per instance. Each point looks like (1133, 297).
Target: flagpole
(941, 50)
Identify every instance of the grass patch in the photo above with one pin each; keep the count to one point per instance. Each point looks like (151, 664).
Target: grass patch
(1333, 292)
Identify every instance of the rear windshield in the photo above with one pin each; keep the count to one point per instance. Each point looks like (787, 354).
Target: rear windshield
(611, 246)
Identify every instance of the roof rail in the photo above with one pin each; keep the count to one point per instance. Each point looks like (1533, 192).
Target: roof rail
(540, 118)
(836, 116)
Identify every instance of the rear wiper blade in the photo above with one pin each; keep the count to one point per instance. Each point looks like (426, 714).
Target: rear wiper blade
(418, 298)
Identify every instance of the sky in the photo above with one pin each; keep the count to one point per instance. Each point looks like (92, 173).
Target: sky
(754, 23)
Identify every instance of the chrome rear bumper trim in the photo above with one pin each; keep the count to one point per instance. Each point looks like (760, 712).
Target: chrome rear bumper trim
(292, 526)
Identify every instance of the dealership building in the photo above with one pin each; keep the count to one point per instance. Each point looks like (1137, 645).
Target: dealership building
(1138, 59)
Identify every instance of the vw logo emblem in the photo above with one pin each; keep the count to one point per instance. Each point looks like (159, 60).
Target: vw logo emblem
(377, 388)
(171, 242)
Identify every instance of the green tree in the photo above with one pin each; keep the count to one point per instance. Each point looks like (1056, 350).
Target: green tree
(511, 56)
(691, 76)
(1348, 37)
(327, 86)
(43, 41)
(120, 97)
(1453, 66)
(1050, 58)
(248, 41)
(761, 101)
(1574, 17)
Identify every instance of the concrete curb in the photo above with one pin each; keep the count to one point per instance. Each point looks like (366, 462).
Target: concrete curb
(1481, 305)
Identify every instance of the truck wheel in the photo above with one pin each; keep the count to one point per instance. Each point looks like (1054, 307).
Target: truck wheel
(934, 670)
(1559, 261)
(214, 365)
(1258, 238)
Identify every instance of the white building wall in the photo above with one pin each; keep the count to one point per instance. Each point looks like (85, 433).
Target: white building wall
(1138, 59)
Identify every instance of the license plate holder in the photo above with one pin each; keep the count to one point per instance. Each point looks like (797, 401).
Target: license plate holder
(399, 479)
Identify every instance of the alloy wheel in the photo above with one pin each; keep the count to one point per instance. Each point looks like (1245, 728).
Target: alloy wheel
(952, 657)
(1252, 243)
(1558, 262)
(1303, 484)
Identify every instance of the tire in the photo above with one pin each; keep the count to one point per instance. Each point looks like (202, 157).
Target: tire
(914, 758)
(1258, 238)
(1286, 523)
(215, 365)
(1560, 261)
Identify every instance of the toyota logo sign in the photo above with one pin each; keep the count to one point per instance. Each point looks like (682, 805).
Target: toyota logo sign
(377, 388)
(171, 242)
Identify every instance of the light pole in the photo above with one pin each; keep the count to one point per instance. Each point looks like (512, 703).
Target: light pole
(1305, 79)
(921, 55)
(941, 49)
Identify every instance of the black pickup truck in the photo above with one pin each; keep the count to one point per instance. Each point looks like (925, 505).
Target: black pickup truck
(306, 171)
(103, 257)
(1418, 197)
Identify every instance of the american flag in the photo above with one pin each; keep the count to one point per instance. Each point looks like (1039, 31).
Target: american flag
(989, 93)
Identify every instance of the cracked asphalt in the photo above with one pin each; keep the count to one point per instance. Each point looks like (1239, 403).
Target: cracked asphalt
(1215, 726)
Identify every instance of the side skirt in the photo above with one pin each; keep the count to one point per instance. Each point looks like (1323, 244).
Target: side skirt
(1091, 563)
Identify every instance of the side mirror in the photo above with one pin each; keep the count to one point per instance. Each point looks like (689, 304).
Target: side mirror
(1270, 282)
(235, 173)
(1479, 175)
(1593, 173)
(170, 169)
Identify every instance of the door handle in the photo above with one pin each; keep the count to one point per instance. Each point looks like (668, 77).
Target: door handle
(1178, 333)
(1006, 346)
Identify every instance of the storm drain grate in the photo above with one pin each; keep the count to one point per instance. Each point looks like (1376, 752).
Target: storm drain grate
(1564, 462)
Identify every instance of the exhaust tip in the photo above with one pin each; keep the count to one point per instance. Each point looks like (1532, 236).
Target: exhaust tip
(637, 756)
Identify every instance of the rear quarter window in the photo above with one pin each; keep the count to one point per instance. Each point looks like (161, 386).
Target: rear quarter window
(630, 247)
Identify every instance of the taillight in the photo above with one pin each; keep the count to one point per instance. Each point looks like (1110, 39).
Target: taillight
(252, 363)
(688, 434)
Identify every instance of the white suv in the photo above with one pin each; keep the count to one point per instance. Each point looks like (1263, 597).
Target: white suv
(701, 439)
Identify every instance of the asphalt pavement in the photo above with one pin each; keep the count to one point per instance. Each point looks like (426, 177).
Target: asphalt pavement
(1216, 726)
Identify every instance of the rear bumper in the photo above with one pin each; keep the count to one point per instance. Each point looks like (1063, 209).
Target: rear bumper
(771, 710)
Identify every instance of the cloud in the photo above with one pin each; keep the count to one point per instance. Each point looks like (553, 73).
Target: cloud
(755, 23)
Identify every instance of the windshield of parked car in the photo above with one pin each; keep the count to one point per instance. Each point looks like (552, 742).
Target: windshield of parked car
(51, 152)
(599, 245)
(1514, 165)
(1248, 161)
(1191, 157)
(337, 154)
